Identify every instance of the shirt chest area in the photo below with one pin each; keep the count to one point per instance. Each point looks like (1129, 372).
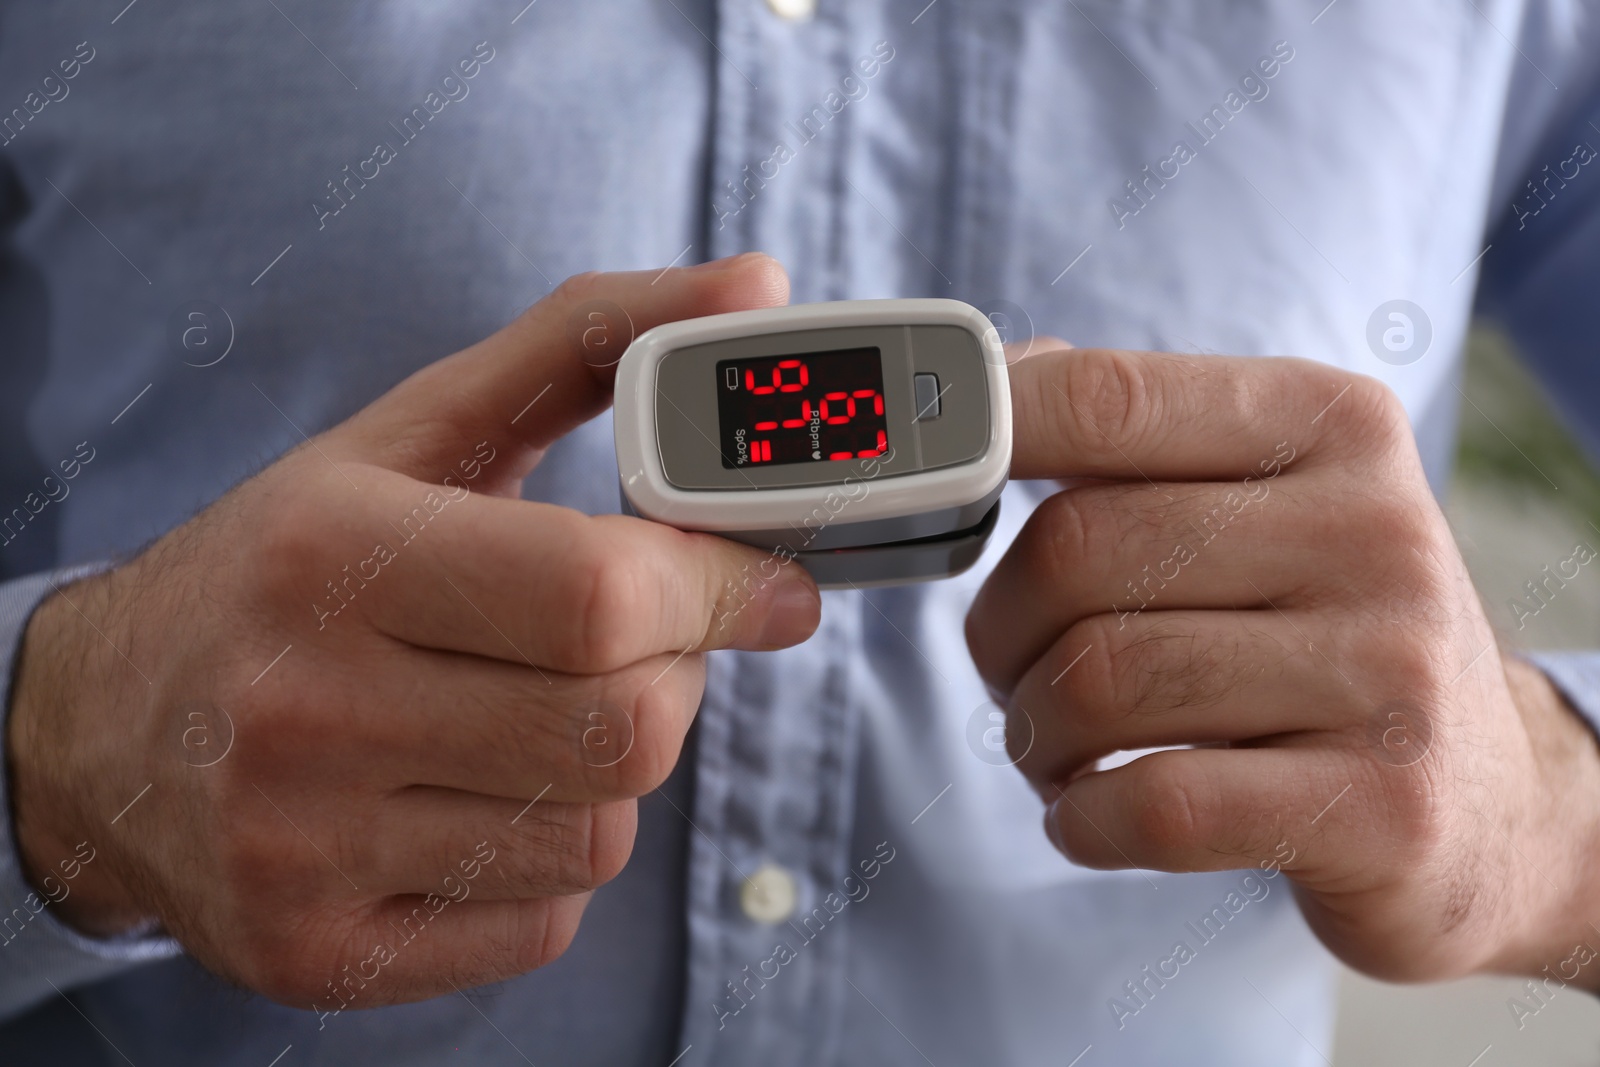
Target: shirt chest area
(1191, 177)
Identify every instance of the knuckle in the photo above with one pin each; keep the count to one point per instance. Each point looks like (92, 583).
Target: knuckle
(544, 930)
(258, 745)
(293, 963)
(571, 848)
(1399, 525)
(1065, 531)
(609, 593)
(1406, 549)
(1091, 689)
(635, 774)
(276, 729)
(1408, 527)
(1417, 809)
(610, 832)
(1104, 388)
(578, 288)
(259, 862)
(658, 721)
(1414, 667)
(1375, 414)
(293, 539)
(549, 850)
(1169, 816)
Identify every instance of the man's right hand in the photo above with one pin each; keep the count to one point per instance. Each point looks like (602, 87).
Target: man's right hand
(437, 701)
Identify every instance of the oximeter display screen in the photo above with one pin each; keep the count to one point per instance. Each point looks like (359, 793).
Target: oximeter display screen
(806, 408)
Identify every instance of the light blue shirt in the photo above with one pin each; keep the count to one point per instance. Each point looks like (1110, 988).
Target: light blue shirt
(1201, 177)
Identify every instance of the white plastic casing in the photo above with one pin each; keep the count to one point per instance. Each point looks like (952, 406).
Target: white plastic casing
(644, 480)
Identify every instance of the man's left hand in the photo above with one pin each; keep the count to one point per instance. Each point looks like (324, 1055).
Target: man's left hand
(1248, 560)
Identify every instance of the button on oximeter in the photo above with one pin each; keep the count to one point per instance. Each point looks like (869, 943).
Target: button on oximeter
(926, 389)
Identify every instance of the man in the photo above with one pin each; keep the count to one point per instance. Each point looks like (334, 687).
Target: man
(364, 734)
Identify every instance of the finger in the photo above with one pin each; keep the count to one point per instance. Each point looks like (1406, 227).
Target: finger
(1115, 414)
(505, 730)
(1036, 346)
(544, 374)
(1217, 810)
(1174, 678)
(1120, 549)
(543, 848)
(549, 586)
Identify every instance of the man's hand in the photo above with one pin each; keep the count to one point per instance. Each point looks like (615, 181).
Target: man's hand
(370, 714)
(1251, 563)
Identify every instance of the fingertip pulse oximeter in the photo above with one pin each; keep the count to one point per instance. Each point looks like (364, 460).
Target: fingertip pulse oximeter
(869, 440)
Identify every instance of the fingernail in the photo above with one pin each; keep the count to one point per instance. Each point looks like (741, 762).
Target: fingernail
(793, 614)
(1052, 825)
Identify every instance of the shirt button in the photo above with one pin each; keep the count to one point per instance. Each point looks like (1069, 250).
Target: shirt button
(768, 895)
(793, 10)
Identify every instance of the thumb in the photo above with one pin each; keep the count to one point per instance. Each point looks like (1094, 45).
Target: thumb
(546, 373)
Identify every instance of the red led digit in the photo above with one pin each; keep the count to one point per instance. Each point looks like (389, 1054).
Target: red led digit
(841, 455)
(789, 364)
(768, 425)
(883, 443)
(877, 399)
(766, 450)
(838, 420)
(758, 390)
(805, 417)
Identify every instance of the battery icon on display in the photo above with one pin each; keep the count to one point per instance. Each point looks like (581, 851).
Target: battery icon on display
(733, 378)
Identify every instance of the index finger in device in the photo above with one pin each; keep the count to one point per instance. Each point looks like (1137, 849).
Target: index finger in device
(1115, 414)
(1017, 351)
(546, 585)
(546, 372)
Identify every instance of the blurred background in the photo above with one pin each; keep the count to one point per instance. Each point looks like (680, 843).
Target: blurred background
(1522, 497)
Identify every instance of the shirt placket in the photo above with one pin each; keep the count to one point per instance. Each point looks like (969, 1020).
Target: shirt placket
(778, 732)
(773, 809)
(777, 170)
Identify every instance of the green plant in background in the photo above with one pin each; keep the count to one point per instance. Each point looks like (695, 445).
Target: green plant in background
(1510, 438)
